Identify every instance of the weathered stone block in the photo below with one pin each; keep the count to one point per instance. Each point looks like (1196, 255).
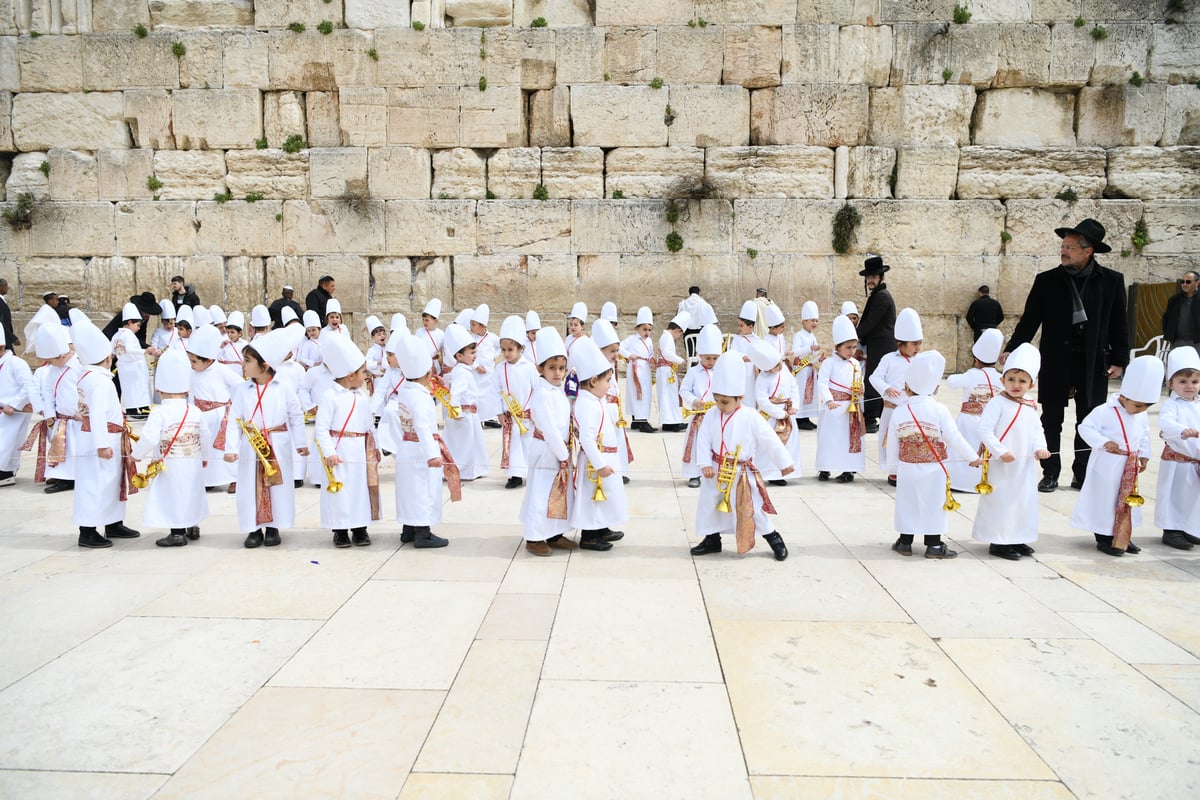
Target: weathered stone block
(415, 59)
(274, 174)
(363, 116)
(1182, 116)
(283, 116)
(6, 136)
(244, 284)
(1054, 11)
(926, 173)
(1003, 11)
(106, 281)
(459, 173)
(870, 172)
(10, 65)
(1121, 115)
(479, 13)
(122, 174)
(51, 63)
(915, 11)
(574, 172)
(26, 177)
(201, 13)
(37, 276)
(843, 12)
(551, 279)
(118, 15)
(429, 228)
(190, 174)
(431, 277)
(502, 281)
(391, 285)
(370, 14)
(619, 116)
(1126, 49)
(495, 118)
(351, 272)
(217, 118)
(524, 226)
(753, 56)
(338, 172)
(631, 54)
(1031, 224)
(280, 13)
(313, 61)
(421, 117)
(557, 13)
(1003, 172)
(399, 173)
(653, 171)
(785, 226)
(155, 228)
(245, 61)
(810, 54)
(1025, 118)
(521, 56)
(72, 176)
(635, 12)
(923, 50)
(928, 227)
(789, 171)
(1155, 173)
(513, 173)
(120, 61)
(1174, 227)
(72, 229)
(202, 65)
(864, 54)
(344, 225)
(321, 119)
(813, 114)
(924, 115)
(550, 117)
(148, 114)
(72, 121)
(579, 56)
(690, 55)
(239, 228)
(1024, 56)
(205, 273)
(1072, 53)
(709, 116)
(1173, 57)
(625, 226)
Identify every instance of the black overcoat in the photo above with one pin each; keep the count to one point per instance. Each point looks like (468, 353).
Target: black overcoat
(877, 326)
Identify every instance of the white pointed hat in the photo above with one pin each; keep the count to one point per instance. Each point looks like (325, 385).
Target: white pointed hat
(173, 372)
(217, 315)
(433, 308)
(457, 337)
(987, 347)
(414, 358)
(749, 312)
(201, 317)
(645, 316)
(709, 342)
(1143, 379)
(184, 314)
(729, 375)
(608, 311)
(52, 341)
(532, 321)
(205, 342)
(809, 311)
(168, 309)
(341, 355)
(908, 326)
(260, 317)
(312, 319)
(394, 340)
(332, 306)
(602, 334)
(288, 315)
(773, 315)
(848, 308)
(482, 314)
(1182, 358)
(587, 360)
(1026, 358)
(843, 330)
(764, 355)
(399, 323)
(683, 319)
(579, 312)
(372, 324)
(236, 319)
(130, 312)
(274, 347)
(513, 329)
(46, 317)
(464, 318)
(550, 344)
(925, 372)
(91, 345)
(77, 317)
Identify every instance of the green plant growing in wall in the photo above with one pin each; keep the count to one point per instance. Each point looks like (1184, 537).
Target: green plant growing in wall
(260, 144)
(418, 25)
(140, 31)
(373, 54)
(845, 221)
(674, 242)
(1067, 195)
(1005, 237)
(254, 197)
(656, 83)
(325, 27)
(1141, 236)
(444, 196)
(296, 27)
(607, 77)
(541, 193)
(34, 34)
(750, 251)
(961, 15)
(482, 83)
(153, 183)
(1099, 33)
(279, 217)
(44, 167)
(672, 212)
(947, 74)
(179, 49)
(1136, 79)
(618, 194)
(20, 216)
(489, 195)
(1080, 22)
(223, 197)
(668, 116)
(538, 22)
(294, 143)
(1126, 253)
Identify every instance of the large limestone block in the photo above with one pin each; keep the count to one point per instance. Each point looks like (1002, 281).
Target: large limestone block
(152, 228)
(73, 176)
(479, 13)
(6, 136)
(753, 56)
(352, 225)
(1155, 173)
(201, 13)
(709, 116)
(625, 226)
(321, 119)
(1031, 224)
(118, 15)
(494, 118)
(422, 117)
(758, 12)
(1173, 57)
(245, 61)
(399, 173)
(190, 174)
(283, 116)
(106, 281)
(1004, 172)
(431, 277)
(915, 10)
(550, 117)
(631, 54)
(391, 285)
(338, 172)
(431, 227)
(557, 13)
(924, 50)
(73, 229)
(409, 58)
(239, 228)
(930, 227)
(205, 273)
(459, 174)
(122, 174)
(524, 226)
(636, 12)
(1174, 227)
(244, 284)
(371, 14)
(10, 65)
(573, 172)
(619, 116)
(314, 61)
(1121, 115)
(351, 272)
(1023, 58)
(653, 171)
(1113, 10)
(579, 55)
(1124, 51)
(1025, 118)
(26, 177)
(1182, 115)
(926, 173)
(864, 54)
(1003, 11)
(281, 13)
(1072, 53)
(120, 61)
(810, 54)
(870, 172)
(513, 173)
(813, 114)
(690, 55)
(40, 275)
(785, 226)
(217, 118)
(148, 114)
(551, 278)
(925, 115)
(789, 171)
(363, 116)
(274, 174)
(502, 281)
(203, 63)
(51, 63)
(842, 12)
(73, 121)
(525, 57)
(1054, 11)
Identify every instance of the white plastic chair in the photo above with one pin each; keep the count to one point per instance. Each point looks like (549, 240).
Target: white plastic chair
(689, 346)
(1156, 346)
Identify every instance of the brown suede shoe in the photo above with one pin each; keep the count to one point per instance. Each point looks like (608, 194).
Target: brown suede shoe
(538, 548)
(561, 542)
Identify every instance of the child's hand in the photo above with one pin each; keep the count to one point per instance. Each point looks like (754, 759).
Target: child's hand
(787, 471)
(977, 462)
(1142, 464)
(831, 405)
(708, 472)
(434, 463)
(1008, 458)
(333, 460)
(6, 410)
(1188, 433)
(230, 458)
(1112, 447)
(893, 393)
(605, 472)
(104, 452)
(204, 464)
(1041, 454)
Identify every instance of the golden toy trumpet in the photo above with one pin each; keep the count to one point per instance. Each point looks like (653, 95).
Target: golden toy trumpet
(142, 479)
(856, 391)
(262, 449)
(441, 393)
(951, 504)
(621, 421)
(518, 413)
(801, 364)
(726, 476)
(983, 487)
(133, 437)
(1133, 499)
(332, 484)
(594, 476)
(698, 412)
(728, 341)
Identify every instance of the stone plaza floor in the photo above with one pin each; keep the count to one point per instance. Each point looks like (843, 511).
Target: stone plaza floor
(482, 672)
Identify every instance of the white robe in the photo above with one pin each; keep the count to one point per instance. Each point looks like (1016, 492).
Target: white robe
(978, 386)
(53, 392)
(889, 375)
(216, 384)
(921, 486)
(614, 409)
(803, 344)
(779, 385)
(293, 375)
(343, 412)
(1176, 507)
(640, 352)
(376, 360)
(97, 492)
(15, 384)
(487, 350)
(433, 339)
(163, 338)
(1095, 510)
(1009, 515)
(833, 433)
(317, 382)
(464, 436)
(550, 412)
(668, 381)
(278, 406)
(386, 389)
(596, 433)
(132, 369)
(723, 434)
(744, 343)
(413, 415)
(176, 498)
(517, 381)
(695, 387)
(308, 353)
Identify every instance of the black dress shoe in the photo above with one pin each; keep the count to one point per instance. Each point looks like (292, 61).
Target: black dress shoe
(91, 539)
(253, 539)
(172, 540)
(709, 544)
(1005, 551)
(298, 483)
(193, 532)
(1132, 549)
(806, 425)
(593, 540)
(118, 530)
(514, 483)
(1177, 539)
(1108, 549)
(1047, 485)
(779, 482)
(822, 475)
(903, 548)
(845, 477)
(408, 534)
(625, 480)
(891, 480)
(1190, 538)
(341, 538)
(609, 535)
(940, 551)
(777, 546)
(59, 486)
(871, 427)
(491, 423)
(1076, 484)
(271, 537)
(694, 483)
(1023, 549)
(359, 537)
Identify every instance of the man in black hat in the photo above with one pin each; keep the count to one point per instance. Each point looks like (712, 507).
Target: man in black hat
(1080, 307)
(146, 304)
(876, 333)
(6, 318)
(319, 297)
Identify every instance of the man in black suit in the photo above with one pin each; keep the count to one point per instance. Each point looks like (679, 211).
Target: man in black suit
(1181, 320)
(284, 301)
(985, 312)
(319, 297)
(876, 333)
(1080, 307)
(10, 336)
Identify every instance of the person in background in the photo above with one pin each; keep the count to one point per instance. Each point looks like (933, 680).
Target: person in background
(1181, 320)
(183, 294)
(876, 333)
(6, 318)
(319, 297)
(284, 301)
(700, 313)
(984, 312)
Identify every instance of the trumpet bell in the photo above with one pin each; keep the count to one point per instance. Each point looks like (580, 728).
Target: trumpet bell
(1135, 500)
(139, 481)
(983, 488)
(334, 487)
(723, 506)
(598, 496)
(951, 504)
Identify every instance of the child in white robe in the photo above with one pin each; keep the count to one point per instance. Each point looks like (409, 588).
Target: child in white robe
(735, 436)
(1119, 436)
(807, 355)
(377, 352)
(15, 410)
(743, 343)
(638, 350)
(1011, 432)
(599, 501)
(978, 385)
(922, 436)
(464, 434)
(53, 394)
(333, 319)
(777, 399)
(888, 377)
(231, 348)
(487, 354)
(132, 369)
(840, 388)
(513, 381)
(176, 437)
(308, 352)
(695, 392)
(605, 337)
(212, 391)
(669, 374)
(165, 335)
(1176, 510)
(386, 390)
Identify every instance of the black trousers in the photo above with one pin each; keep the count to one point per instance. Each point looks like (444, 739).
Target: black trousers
(690, 342)
(1052, 424)
(872, 402)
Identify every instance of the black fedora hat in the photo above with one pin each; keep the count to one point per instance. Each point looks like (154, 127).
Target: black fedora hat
(873, 266)
(1089, 229)
(146, 303)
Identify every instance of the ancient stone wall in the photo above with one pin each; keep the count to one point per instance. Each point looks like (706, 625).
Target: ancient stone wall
(464, 149)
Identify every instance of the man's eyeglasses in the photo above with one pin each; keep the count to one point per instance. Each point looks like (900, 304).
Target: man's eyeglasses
(1187, 283)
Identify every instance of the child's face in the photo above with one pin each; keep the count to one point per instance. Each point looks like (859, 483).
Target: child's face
(59, 361)
(726, 403)
(909, 349)
(234, 334)
(134, 324)
(510, 350)
(610, 351)
(198, 364)
(252, 369)
(1132, 406)
(708, 361)
(810, 325)
(333, 319)
(391, 360)
(429, 322)
(185, 331)
(1017, 382)
(477, 328)
(554, 370)
(355, 379)
(575, 326)
(466, 355)
(599, 385)
(1187, 386)
(853, 318)
(776, 330)
(846, 349)
(745, 327)
(531, 335)
(676, 333)
(168, 324)
(379, 336)
(312, 333)
(644, 329)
